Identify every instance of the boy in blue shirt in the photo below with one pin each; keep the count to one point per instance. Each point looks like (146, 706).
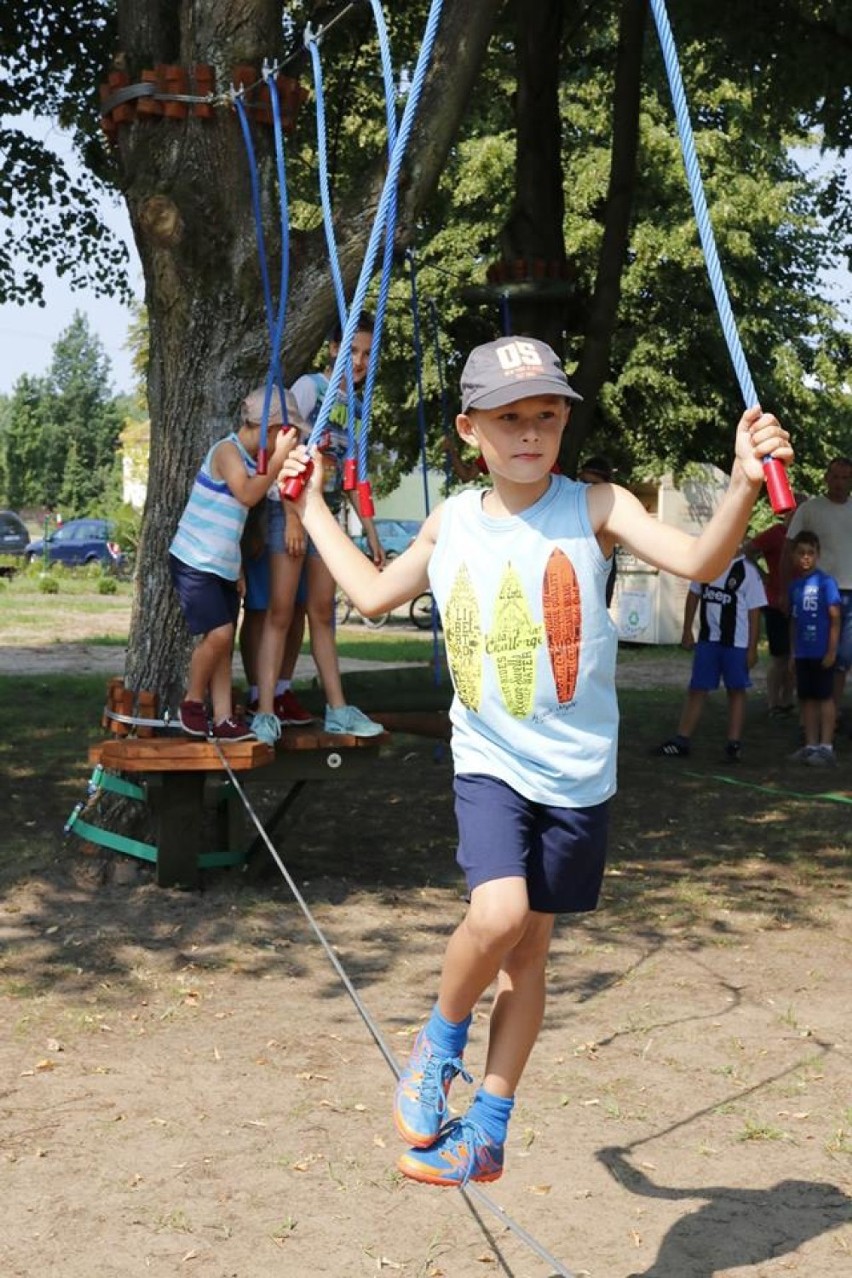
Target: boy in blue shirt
(815, 615)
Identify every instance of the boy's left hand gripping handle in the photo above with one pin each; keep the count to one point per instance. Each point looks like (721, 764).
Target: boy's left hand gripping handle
(294, 486)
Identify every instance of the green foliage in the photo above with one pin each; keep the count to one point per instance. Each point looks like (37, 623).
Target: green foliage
(59, 441)
(53, 58)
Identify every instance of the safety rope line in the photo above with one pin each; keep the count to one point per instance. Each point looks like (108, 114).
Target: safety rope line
(363, 467)
(357, 467)
(782, 499)
(470, 1190)
(274, 320)
(388, 194)
(418, 370)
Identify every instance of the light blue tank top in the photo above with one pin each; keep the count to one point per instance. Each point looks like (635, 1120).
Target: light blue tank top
(531, 646)
(210, 528)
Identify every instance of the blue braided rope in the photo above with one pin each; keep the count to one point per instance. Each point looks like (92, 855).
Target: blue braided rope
(387, 261)
(699, 203)
(418, 369)
(442, 387)
(312, 44)
(274, 322)
(388, 192)
(277, 336)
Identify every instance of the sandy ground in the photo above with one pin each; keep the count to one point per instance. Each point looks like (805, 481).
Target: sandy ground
(187, 1088)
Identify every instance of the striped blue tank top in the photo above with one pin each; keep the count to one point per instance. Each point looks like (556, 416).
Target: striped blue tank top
(210, 528)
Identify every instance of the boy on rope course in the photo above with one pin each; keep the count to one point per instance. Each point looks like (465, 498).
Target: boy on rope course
(289, 550)
(205, 563)
(519, 571)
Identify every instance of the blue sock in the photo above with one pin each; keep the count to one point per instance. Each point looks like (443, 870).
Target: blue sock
(450, 1036)
(492, 1114)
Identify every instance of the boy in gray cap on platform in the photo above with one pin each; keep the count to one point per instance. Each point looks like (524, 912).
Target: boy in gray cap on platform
(518, 572)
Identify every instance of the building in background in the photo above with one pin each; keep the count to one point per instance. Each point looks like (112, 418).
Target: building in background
(647, 606)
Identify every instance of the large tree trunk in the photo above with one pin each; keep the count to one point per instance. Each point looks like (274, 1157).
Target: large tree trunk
(593, 368)
(187, 188)
(534, 230)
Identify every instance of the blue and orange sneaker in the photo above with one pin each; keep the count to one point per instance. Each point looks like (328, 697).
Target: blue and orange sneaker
(461, 1153)
(420, 1104)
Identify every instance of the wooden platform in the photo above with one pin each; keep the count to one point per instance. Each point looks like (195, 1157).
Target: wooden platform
(173, 752)
(184, 778)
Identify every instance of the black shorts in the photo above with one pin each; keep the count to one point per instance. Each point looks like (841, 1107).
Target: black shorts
(813, 681)
(777, 625)
(561, 852)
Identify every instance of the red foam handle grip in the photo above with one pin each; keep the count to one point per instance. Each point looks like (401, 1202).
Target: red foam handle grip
(262, 461)
(350, 474)
(294, 486)
(365, 500)
(778, 486)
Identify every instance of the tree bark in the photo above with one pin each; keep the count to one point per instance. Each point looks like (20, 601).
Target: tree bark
(593, 367)
(534, 230)
(187, 189)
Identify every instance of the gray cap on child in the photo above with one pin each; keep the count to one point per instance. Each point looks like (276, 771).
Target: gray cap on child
(252, 407)
(512, 368)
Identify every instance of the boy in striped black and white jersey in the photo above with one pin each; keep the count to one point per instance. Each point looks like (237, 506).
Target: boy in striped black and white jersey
(728, 627)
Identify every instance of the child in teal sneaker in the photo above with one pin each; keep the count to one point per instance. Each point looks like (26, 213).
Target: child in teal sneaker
(205, 561)
(519, 573)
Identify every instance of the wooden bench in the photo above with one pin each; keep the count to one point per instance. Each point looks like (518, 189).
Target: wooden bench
(181, 776)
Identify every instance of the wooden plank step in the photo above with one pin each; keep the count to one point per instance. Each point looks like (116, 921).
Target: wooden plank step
(184, 754)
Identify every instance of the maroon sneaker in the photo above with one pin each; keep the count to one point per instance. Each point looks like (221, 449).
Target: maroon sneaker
(232, 730)
(192, 717)
(289, 710)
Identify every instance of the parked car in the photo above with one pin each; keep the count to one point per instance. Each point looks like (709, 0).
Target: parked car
(80, 541)
(14, 537)
(396, 535)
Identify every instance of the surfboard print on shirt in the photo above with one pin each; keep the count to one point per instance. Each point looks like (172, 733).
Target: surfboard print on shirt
(513, 643)
(463, 640)
(563, 622)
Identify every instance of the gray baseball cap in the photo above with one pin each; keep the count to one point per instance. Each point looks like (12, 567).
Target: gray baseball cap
(512, 368)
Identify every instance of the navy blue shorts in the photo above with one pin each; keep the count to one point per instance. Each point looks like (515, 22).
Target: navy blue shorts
(256, 570)
(207, 601)
(713, 662)
(813, 681)
(561, 852)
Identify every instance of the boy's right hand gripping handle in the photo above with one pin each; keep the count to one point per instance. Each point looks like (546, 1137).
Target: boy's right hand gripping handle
(292, 488)
(778, 485)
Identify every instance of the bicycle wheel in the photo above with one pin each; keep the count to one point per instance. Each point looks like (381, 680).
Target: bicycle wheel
(342, 608)
(421, 610)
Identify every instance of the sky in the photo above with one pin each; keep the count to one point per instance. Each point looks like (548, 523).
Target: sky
(28, 333)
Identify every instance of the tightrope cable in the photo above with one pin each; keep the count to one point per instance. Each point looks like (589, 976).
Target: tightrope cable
(470, 1190)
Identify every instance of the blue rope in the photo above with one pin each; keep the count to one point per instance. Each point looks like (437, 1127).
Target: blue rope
(311, 42)
(418, 368)
(777, 483)
(505, 315)
(387, 261)
(699, 203)
(274, 321)
(442, 387)
(388, 193)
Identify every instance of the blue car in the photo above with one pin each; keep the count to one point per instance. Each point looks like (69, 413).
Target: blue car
(80, 541)
(396, 535)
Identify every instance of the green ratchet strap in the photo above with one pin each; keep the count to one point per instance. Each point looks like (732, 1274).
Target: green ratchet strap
(103, 780)
(830, 796)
